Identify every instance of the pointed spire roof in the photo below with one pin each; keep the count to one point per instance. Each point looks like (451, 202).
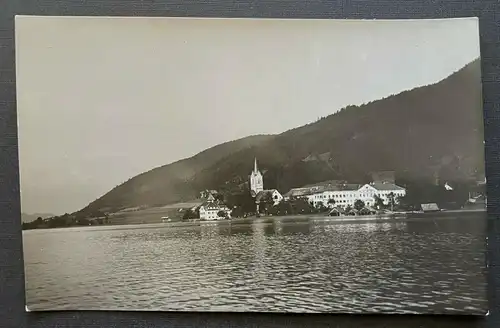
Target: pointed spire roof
(255, 169)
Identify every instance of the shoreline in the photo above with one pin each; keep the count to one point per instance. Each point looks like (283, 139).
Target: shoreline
(331, 219)
(392, 217)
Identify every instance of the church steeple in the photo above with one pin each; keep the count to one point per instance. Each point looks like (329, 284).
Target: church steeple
(256, 179)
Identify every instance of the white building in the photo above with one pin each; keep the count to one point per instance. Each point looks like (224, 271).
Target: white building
(344, 195)
(256, 180)
(209, 211)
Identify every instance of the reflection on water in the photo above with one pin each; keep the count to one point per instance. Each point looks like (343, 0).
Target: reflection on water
(411, 266)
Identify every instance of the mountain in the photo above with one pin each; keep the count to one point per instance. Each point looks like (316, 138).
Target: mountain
(161, 185)
(424, 133)
(26, 218)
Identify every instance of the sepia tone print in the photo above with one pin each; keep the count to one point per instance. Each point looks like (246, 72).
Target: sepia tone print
(263, 165)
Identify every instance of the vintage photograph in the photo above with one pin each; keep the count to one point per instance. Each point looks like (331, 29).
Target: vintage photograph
(252, 165)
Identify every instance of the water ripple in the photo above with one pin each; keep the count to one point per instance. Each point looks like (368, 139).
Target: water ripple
(311, 266)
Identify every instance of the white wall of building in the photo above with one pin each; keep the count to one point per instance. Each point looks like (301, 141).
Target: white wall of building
(256, 182)
(277, 197)
(209, 214)
(345, 198)
(212, 213)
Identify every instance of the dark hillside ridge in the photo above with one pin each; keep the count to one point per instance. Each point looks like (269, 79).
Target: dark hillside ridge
(160, 185)
(26, 218)
(430, 132)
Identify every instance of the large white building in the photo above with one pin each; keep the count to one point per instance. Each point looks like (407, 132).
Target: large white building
(344, 195)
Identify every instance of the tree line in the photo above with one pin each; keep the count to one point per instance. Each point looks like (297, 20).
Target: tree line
(66, 220)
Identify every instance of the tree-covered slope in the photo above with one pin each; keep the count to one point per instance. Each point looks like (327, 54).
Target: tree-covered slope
(435, 130)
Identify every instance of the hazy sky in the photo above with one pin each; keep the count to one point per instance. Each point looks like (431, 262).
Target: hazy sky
(103, 99)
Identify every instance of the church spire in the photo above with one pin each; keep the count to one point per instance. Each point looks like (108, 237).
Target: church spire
(256, 180)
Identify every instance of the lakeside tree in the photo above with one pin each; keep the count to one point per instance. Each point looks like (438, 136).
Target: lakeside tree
(392, 200)
(219, 197)
(266, 206)
(301, 206)
(424, 191)
(284, 208)
(222, 214)
(359, 204)
(321, 208)
(237, 212)
(83, 222)
(399, 202)
(379, 203)
(243, 201)
(189, 214)
(331, 202)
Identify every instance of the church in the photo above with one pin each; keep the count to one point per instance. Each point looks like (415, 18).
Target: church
(257, 187)
(256, 180)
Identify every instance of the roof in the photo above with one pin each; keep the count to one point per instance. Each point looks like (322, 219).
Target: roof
(429, 207)
(349, 186)
(265, 194)
(325, 183)
(209, 191)
(385, 186)
(296, 192)
(367, 209)
(322, 187)
(336, 185)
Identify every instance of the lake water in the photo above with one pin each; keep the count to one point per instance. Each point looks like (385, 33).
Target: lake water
(431, 265)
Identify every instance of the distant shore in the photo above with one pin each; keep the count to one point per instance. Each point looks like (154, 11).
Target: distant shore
(341, 218)
(391, 217)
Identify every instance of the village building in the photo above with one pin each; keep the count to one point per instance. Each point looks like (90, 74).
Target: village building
(209, 211)
(334, 193)
(271, 195)
(430, 207)
(335, 212)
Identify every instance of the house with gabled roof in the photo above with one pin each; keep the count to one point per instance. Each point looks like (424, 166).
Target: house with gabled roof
(209, 210)
(269, 195)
